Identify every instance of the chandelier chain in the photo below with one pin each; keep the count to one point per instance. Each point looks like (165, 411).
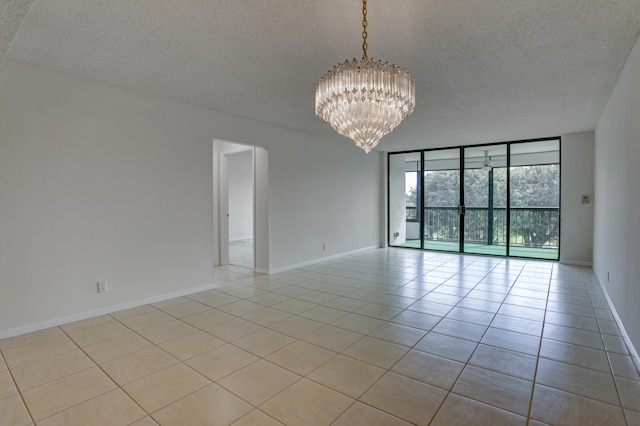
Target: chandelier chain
(364, 29)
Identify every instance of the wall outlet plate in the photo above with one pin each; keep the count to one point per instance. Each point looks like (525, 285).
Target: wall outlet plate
(103, 287)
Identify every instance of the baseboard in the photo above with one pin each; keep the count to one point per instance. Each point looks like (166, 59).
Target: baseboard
(314, 261)
(632, 350)
(101, 311)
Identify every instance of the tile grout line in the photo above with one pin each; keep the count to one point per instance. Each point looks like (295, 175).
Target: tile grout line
(606, 351)
(548, 290)
(535, 371)
(410, 348)
(51, 381)
(180, 361)
(118, 386)
(502, 303)
(547, 295)
(15, 383)
(387, 370)
(379, 287)
(450, 390)
(546, 304)
(103, 372)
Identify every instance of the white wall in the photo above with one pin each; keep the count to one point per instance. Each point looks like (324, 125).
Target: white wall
(576, 170)
(617, 200)
(261, 205)
(240, 181)
(98, 182)
(325, 193)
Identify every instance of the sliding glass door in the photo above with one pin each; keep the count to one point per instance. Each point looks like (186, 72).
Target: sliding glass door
(485, 200)
(441, 219)
(535, 199)
(404, 199)
(499, 199)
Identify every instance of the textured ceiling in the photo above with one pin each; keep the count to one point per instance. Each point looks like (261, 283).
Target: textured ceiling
(485, 70)
(12, 13)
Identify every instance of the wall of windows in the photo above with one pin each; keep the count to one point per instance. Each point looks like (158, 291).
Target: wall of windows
(498, 199)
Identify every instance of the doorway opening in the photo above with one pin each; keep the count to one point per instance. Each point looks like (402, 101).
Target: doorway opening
(240, 205)
(239, 166)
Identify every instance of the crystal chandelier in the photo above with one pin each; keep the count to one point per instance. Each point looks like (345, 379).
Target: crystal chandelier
(365, 100)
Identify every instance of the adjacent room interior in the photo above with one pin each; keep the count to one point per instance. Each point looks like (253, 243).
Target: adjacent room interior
(183, 241)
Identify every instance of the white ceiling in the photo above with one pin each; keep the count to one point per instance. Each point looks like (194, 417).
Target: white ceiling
(485, 70)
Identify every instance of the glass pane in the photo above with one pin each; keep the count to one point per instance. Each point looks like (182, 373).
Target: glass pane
(485, 200)
(404, 218)
(535, 199)
(441, 199)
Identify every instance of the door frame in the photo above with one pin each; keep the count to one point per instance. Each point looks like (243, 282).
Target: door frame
(221, 204)
(224, 203)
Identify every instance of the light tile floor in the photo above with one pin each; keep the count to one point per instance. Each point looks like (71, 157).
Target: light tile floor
(388, 337)
(241, 253)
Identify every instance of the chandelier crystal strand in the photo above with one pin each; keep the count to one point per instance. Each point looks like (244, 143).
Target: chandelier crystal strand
(365, 99)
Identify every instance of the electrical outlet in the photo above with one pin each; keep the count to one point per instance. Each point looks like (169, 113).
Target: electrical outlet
(103, 286)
